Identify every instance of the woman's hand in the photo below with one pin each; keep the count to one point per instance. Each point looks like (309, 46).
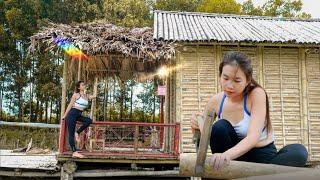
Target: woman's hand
(194, 121)
(219, 160)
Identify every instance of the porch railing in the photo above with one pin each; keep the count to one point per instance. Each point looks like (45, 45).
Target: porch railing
(135, 139)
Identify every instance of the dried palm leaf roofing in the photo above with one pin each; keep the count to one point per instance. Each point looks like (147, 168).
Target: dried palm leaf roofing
(102, 38)
(100, 41)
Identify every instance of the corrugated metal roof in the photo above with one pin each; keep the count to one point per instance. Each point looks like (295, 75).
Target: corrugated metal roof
(185, 26)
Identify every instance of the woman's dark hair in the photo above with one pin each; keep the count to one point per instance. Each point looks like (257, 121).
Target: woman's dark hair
(242, 61)
(77, 90)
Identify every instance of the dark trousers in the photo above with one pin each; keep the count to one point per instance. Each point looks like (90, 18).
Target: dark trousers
(224, 137)
(73, 116)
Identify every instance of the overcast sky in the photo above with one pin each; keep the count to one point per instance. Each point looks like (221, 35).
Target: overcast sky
(309, 6)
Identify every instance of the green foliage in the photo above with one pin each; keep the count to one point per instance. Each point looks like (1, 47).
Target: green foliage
(177, 5)
(220, 6)
(278, 8)
(130, 13)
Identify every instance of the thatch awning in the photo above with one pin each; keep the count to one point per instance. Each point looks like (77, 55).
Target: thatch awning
(106, 46)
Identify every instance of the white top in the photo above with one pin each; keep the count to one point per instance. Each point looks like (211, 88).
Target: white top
(81, 103)
(242, 127)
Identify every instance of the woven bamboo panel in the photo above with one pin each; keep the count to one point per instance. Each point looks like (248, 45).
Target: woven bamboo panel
(313, 92)
(281, 71)
(196, 81)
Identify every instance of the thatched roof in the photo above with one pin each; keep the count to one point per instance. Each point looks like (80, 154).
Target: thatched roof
(102, 41)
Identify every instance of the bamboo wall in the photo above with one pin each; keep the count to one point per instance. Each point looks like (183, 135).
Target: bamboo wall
(290, 75)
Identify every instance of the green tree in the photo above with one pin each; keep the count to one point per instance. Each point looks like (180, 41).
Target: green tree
(249, 9)
(220, 6)
(277, 8)
(177, 5)
(130, 13)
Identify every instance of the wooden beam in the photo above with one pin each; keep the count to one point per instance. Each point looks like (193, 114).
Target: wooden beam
(304, 98)
(209, 116)
(79, 69)
(248, 44)
(64, 86)
(94, 101)
(236, 169)
(312, 174)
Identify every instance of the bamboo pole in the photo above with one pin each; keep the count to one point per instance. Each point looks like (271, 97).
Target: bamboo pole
(218, 60)
(281, 99)
(313, 174)
(209, 115)
(166, 114)
(261, 68)
(79, 70)
(64, 86)
(94, 101)
(303, 97)
(236, 169)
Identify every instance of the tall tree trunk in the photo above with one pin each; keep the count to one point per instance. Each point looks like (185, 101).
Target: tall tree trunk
(131, 97)
(112, 100)
(31, 93)
(50, 112)
(46, 110)
(121, 99)
(1, 95)
(20, 104)
(37, 111)
(104, 101)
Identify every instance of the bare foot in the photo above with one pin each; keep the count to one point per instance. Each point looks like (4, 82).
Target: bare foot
(77, 155)
(77, 136)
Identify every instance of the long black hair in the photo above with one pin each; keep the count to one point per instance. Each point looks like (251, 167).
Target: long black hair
(242, 61)
(77, 89)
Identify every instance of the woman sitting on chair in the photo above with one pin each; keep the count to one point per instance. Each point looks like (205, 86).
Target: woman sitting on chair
(78, 103)
(243, 131)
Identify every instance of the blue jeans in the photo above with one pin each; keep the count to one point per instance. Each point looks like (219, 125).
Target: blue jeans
(224, 137)
(73, 116)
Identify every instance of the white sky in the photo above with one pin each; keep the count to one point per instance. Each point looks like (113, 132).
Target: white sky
(309, 6)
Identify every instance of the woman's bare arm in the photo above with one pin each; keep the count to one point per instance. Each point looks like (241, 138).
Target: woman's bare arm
(73, 99)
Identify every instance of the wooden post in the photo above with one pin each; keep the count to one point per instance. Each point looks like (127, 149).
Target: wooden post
(79, 70)
(136, 139)
(94, 101)
(304, 98)
(64, 86)
(209, 115)
(161, 120)
(236, 169)
(312, 174)
(63, 106)
(281, 99)
(261, 68)
(166, 114)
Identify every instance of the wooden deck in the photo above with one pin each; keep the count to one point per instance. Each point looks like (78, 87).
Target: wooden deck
(8, 159)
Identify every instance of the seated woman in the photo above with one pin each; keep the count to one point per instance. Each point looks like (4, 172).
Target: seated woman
(78, 102)
(244, 131)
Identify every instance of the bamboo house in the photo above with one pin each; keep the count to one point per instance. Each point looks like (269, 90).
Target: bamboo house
(285, 58)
